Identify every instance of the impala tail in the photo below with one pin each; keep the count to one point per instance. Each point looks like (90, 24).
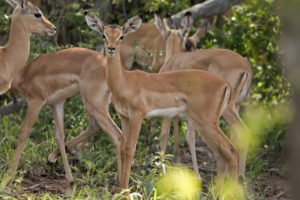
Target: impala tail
(225, 99)
(244, 86)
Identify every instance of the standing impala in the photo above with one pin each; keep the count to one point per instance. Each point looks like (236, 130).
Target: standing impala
(135, 94)
(140, 45)
(227, 64)
(146, 40)
(26, 19)
(50, 79)
(147, 37)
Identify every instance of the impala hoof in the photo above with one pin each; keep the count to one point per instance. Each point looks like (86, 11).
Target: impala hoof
(52, 158)
(69, 192)
(86, 12)
(241, 179)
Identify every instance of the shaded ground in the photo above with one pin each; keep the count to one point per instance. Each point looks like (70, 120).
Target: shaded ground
(41, 185)
(271, 185)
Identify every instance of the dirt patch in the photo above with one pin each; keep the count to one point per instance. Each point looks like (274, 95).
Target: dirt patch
(43, 185)
(271, 186)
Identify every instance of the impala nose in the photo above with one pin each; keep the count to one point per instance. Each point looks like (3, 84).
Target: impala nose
(189, 46)
(111, 48)
(52, 32)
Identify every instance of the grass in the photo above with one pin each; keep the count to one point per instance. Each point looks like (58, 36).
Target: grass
(95, 169)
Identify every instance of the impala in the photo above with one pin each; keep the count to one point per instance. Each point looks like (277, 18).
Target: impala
(146, 40)
(26, 19)
(225, 63)
(140, 45)
(147, 47)
(135, 94)
(50, 79)
(129, 46)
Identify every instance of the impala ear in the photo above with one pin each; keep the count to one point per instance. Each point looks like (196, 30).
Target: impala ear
(161, 26)
(94, 22)
(186, 24)
(14, 3)
(132, 25)
(170, 22)
(201, 31)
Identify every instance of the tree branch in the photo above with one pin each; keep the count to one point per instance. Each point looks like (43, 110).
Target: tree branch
(12, 107)
(206, 9)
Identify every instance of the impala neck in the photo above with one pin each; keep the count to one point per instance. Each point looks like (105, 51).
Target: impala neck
(172, 47)
(18, 46)
(114, 72)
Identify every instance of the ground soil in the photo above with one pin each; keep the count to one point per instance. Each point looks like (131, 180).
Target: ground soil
(271, 185)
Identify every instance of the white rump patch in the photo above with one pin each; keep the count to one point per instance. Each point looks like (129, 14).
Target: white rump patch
(167, 112)
(244, 89)
(227, 97)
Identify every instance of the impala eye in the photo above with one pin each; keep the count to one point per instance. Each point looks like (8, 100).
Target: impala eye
(104, 37)
(121, 37)
(37, 15)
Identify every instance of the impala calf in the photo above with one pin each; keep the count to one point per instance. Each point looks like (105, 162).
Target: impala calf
(27, 18)
(135, 94)
(50, 79)
(225, 63)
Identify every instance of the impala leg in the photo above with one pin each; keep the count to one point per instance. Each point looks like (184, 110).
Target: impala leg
(81, 143)
(237, 126)
(176, 139)
(223, 150)
(92, 130)
(165, 131)
(125, 126)
(58, 114)
(128, 145)
(100, 112)
(152, 126)
(107, 125)
(190, 138)
(31, 116)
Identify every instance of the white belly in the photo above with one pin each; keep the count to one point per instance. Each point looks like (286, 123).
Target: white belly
(168, 112)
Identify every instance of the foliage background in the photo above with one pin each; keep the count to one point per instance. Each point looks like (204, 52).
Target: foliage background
(252, 30)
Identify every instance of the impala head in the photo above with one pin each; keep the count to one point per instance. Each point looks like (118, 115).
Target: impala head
(177, 37)
(112, 34)
(190, 43)
(174, 37)
(31, 17)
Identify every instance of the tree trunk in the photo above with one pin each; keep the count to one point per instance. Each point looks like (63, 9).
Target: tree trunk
(104, 7)
(290, 42)
(206, 9)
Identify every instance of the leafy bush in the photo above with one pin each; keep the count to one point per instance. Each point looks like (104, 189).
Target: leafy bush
(252, 31)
